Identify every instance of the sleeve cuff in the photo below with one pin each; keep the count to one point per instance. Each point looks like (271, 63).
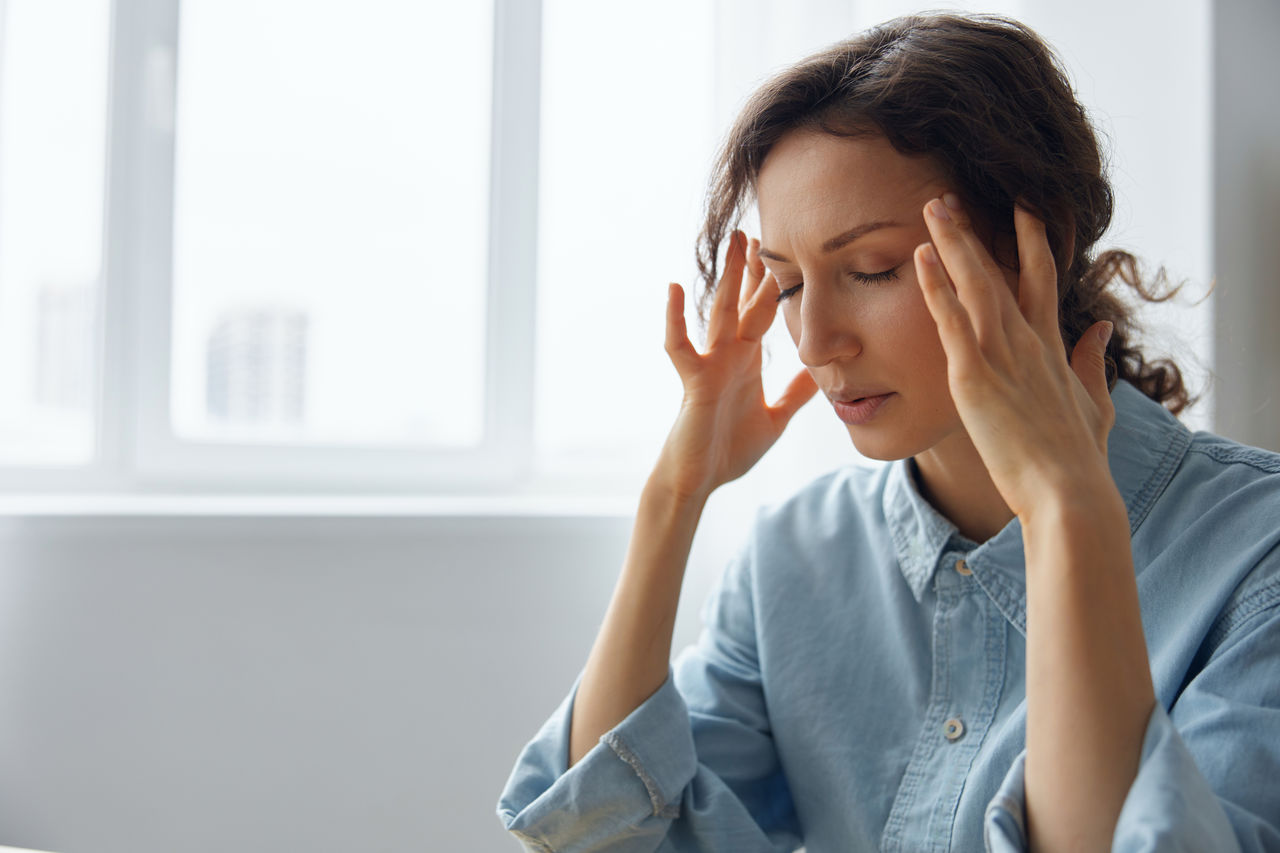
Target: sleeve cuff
(1004, 826)
(635, 774)
(1169, 802)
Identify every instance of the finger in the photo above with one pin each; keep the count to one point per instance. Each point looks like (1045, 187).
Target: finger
(724, 308)
(755, 274)
(760, 311)
(1089, 361)
(1037, 276)
(979, 284)
(799, 391)
(955, 329)
(677, 344)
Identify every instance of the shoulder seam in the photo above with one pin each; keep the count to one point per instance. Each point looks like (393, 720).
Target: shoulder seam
(1264, 598)
(1254, 457)
(1161, 474)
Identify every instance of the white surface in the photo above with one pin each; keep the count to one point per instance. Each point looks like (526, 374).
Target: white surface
(259, 685)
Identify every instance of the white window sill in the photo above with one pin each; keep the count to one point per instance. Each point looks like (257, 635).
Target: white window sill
(325, 506)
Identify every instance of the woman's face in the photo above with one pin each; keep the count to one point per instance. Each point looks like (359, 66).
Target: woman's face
(844, 216)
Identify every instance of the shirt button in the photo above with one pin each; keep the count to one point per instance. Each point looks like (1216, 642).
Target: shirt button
(953, 728)
(963, 568)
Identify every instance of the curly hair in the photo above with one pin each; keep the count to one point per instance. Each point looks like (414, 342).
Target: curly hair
(988, 101)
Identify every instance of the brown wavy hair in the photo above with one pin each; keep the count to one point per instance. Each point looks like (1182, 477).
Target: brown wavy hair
(988, 100)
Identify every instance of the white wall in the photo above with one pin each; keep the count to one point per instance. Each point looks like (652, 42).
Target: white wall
(203, 685)
(1246, 206)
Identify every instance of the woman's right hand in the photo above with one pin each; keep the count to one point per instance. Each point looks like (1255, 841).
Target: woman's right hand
(724, 425)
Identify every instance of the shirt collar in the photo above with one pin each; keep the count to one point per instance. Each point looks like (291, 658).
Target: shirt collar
(1143, 449)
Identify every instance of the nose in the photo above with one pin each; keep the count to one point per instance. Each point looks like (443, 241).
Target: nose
(828, 327)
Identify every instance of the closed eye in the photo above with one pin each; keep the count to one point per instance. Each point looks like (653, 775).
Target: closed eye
(861, 277)
(874, 277)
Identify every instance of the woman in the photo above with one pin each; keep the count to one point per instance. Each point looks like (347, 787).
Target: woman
(1050, 623)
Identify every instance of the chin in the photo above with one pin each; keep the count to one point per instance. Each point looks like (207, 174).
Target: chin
(883, 448)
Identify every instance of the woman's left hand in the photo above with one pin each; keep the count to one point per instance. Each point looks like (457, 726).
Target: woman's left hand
(1039, 423)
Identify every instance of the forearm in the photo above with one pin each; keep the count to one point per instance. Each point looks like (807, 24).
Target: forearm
(630, 657)
(1089, 690)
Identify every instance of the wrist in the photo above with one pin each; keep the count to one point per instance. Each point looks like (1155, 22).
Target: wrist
(1078, 537)
(1084, 507)
(666, 490)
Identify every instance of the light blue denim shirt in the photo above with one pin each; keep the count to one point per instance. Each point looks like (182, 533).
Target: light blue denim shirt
(860, 680)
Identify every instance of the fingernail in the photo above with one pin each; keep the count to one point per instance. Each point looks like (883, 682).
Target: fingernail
(1104, 332)
(929, 254)
(952, 200)
(939, 210)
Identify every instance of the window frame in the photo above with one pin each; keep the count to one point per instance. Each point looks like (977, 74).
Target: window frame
(136, 449)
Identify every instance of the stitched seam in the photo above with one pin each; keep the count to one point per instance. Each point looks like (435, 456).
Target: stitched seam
(1155, 484)
(994, 635)
(900, 546)
(1251, 605)
(624, 752)
(915, 575)
(531, 841)
(1012, 606)
(891, 836)
(1251, 456)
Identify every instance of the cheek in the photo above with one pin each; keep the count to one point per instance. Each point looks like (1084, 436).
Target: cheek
(923, 351)
(792, 318)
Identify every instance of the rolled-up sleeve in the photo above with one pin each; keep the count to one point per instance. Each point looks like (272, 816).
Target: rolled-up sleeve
(627, 787)
(1207, 779)
(693, 768)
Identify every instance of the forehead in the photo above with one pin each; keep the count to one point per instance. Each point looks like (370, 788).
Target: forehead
(815, 181)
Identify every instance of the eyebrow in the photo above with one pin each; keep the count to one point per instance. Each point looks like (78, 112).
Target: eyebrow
(837, 242)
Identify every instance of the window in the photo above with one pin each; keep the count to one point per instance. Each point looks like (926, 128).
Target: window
(53, 60)
(277, 245)
(292, 286)
(330, 213)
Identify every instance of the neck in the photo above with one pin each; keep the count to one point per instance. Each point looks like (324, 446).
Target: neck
(953, 479)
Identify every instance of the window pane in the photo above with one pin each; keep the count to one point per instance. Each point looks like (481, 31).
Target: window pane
(330, 223)
(628, 132)
(53, 72)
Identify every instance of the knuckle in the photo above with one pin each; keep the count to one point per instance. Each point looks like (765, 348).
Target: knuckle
(1024, 338)
(956, 321)
(970, 385)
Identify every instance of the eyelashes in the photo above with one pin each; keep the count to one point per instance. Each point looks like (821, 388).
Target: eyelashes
(786, 294)
(860, 277)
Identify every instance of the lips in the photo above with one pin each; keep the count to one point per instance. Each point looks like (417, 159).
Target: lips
(856, 406)
(853, 395)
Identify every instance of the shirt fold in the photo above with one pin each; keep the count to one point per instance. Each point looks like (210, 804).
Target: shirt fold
(1170, 805)
(627, 787)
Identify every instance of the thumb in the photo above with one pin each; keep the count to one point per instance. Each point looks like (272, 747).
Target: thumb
(1089, 361)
